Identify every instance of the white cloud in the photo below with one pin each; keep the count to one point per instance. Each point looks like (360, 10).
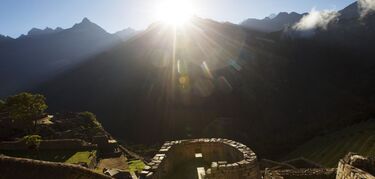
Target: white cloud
(366, 7)
(316, 19)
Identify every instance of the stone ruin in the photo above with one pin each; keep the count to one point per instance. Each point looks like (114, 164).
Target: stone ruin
(301, 173)
(215, 158)
(354, 166)
(12, 167)
(107, 146)
(203, 158)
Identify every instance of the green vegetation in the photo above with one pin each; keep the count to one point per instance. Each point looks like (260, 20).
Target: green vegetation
(327, 150)
(65, 156)
(24, 109)
(90, 117)
(136, 165)
(81, 157)
(33, 141)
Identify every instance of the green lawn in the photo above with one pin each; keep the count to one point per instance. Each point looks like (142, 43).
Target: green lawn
(79, 157)
(64, 156)
(328, 149)
(136, 165)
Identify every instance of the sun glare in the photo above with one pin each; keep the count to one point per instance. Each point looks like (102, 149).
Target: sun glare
(175, 12)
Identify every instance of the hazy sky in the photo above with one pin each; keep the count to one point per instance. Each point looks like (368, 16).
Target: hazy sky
(19, 16)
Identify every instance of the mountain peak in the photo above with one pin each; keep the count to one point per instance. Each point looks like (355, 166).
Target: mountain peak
(86, 21)
(283, 15)
(126, 33)
(276, 23)
(85, 24)
(271, 16)
(3, 37)
(59, 29)
(36, 31)
(350, 12)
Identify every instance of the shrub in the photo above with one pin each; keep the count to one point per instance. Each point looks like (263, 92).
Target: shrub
(33, 141)
(90, 117)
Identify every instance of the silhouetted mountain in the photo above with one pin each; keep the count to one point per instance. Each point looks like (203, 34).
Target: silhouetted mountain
(126, 34)
(37, 32)
(42, 54)
(133, 82)
(5, 39)
(276, 23)
(350, 12)
(350, 31)
(226, 81)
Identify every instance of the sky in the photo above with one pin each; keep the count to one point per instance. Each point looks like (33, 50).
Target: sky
(19, 16)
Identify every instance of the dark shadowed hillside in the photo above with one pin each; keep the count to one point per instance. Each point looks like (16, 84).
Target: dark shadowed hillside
(42, 54)
(214, 79)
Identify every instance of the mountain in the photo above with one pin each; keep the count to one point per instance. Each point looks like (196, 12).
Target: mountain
(276, 23)
(134, 82)
(47, 30)
(214, 79)
(4, 39)
(224, 80)
(357, 30)
(41, 54)
(350, 12)
(126, 34)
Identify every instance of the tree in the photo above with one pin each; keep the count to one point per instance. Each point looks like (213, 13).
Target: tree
(33, 141)
(26, 108)
(90, 117)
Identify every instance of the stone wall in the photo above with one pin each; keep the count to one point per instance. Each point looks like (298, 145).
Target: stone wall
(59, 144)
(240, 161)
(93, 162)
(11, 167)
(311, 173)
(107, 146)
(354, 166)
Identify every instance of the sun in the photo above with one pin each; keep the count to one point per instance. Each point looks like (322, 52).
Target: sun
(175, 12)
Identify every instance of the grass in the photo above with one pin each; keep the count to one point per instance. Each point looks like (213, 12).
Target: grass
(329, 149)
(65, 156)
(136, 165)
(81, 157)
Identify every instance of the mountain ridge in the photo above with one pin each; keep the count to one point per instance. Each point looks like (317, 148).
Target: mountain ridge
(248, 83)
(42, 54)
(47, 30)
(277, 23)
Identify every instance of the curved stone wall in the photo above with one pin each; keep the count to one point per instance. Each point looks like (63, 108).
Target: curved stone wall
(217, 158)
